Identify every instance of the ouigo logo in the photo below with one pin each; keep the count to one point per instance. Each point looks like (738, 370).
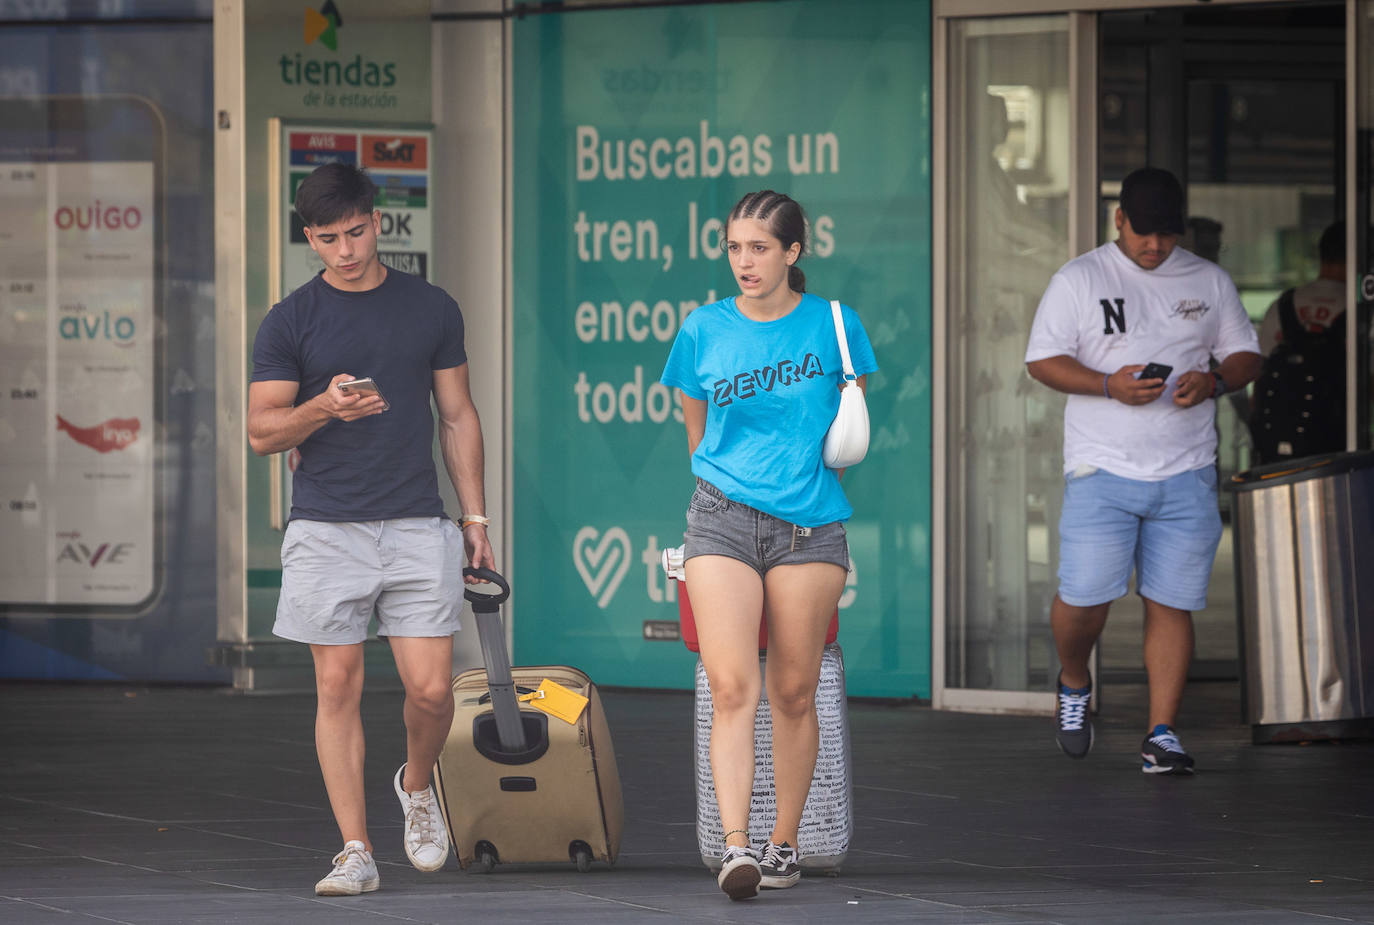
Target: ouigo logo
(323, 25)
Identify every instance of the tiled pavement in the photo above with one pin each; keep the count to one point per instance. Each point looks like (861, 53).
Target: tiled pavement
(175, 805)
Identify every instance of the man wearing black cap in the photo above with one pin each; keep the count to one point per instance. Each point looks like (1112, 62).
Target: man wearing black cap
(1139, 450)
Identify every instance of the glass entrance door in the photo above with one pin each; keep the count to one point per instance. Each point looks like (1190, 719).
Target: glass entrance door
(1246, 106)
(1360, 359)
(1007, 229)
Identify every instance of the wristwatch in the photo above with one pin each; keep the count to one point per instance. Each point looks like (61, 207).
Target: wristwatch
(1219, 389)
(467, 519)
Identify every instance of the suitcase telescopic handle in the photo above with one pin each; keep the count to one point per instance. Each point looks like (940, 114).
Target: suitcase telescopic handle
(480, 600)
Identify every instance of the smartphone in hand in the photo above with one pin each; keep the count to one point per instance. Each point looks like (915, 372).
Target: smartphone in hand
(1155, 371)
(364, 387)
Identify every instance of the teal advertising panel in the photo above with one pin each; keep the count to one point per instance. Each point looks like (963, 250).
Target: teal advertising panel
(635, 132)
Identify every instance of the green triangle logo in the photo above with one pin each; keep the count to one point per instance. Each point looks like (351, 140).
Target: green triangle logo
(323, 26)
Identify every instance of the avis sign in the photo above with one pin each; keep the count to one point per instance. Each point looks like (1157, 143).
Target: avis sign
(397, 161)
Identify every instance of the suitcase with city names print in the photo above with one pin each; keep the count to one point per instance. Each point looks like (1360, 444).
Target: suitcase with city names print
(520, 785)
(827, 817)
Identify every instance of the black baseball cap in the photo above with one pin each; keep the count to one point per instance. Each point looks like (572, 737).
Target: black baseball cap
(1152, 199)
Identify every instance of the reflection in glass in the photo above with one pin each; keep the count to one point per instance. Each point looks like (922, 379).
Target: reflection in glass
(1009, 215)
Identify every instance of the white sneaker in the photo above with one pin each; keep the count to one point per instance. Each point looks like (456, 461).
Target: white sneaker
(426, 839)
(354, 872)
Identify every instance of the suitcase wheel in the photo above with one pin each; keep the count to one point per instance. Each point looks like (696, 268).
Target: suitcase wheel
(486, 857)
(581, 854)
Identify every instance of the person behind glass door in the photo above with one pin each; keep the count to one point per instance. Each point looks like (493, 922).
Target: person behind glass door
(1318, 302)
(759, 375)
(367, 532)
(1318, 307)
(1139, 453)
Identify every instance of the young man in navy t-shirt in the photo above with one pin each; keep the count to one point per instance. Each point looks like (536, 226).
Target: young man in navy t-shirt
(368, 534)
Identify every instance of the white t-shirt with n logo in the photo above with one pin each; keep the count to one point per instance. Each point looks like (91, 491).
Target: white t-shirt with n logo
(1106, 312)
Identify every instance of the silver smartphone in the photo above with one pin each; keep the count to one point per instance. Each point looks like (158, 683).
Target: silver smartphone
(365, 387)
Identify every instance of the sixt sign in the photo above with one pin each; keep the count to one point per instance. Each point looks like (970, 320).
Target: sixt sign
(410, 152)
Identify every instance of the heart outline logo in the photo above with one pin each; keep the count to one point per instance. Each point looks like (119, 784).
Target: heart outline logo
(589, 553)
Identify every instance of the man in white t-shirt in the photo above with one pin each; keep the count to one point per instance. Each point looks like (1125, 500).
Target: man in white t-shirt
(1139, 453)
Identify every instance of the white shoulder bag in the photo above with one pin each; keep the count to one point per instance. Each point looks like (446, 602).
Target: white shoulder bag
(847, 440)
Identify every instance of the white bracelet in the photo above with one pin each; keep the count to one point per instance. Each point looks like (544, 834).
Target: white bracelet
(467, 519)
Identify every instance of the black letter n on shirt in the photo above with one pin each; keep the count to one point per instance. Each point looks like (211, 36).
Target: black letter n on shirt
(1113, 314)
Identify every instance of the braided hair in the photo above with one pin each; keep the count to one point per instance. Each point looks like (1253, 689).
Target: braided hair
(783, 216)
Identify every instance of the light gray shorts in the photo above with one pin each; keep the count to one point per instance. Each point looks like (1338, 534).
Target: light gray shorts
(717, 526)
(334, 576)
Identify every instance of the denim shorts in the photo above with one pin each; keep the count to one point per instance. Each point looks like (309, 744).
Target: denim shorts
(1167, 531)
(334, 576)
(717, 526)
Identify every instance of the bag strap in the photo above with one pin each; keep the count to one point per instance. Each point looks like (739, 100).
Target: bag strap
(844, 342)
(1293, 331)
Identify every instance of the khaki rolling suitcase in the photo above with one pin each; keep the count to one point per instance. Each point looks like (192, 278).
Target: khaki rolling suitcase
(521, 785)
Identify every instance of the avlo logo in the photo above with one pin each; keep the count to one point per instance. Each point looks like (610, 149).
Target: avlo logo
(119, 329)
(323, 25)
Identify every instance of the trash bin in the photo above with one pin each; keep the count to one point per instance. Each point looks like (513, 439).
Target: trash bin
(1304, 551)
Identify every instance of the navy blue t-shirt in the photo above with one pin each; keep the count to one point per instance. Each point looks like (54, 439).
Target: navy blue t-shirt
(381, 466)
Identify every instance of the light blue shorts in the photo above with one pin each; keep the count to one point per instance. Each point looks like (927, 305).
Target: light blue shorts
(334, 576)
(1167, 531)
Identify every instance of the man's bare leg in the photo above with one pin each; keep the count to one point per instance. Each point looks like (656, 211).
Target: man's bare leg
(1168, 652)
(1076, 631)
(339, 735)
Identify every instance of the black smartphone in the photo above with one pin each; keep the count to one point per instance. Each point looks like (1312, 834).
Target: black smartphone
(1155, 371)
(366, 387)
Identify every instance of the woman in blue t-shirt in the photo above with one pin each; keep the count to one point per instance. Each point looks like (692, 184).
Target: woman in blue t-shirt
(759, 375)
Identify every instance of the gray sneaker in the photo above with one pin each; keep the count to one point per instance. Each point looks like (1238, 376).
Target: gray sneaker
(1163, 754)
(1073, 728)
(426, 839)
(780, 866)
(354, 872)
(740, 873)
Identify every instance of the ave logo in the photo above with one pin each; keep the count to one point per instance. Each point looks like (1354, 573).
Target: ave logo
(95, 556)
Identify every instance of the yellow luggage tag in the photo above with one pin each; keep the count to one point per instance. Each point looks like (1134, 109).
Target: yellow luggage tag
(556, 700)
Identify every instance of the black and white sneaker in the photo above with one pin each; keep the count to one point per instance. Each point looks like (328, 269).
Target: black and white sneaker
(1073, 728)
(1163, 754)
(779, 866)
(740, 872)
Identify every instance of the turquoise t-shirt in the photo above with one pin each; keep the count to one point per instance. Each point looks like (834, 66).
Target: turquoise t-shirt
(771, 389)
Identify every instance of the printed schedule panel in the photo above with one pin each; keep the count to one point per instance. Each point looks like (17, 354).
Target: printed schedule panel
(397, 160)
(78, 367)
